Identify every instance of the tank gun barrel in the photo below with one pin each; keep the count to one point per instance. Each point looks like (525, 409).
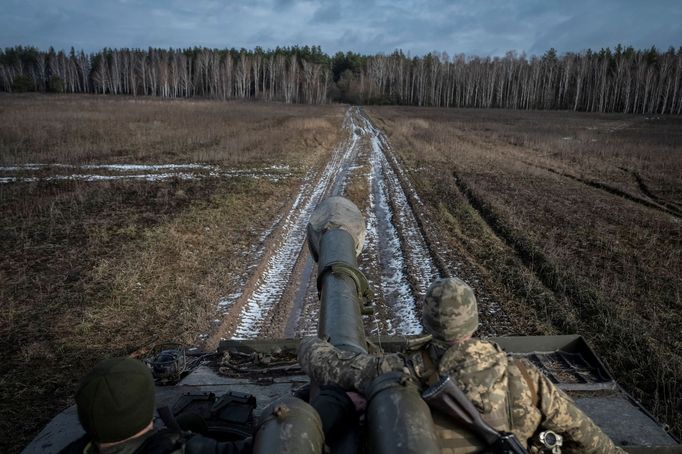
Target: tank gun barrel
(398, 420)
(336, 233)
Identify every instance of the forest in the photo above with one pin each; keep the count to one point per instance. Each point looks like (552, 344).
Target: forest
(611, 80)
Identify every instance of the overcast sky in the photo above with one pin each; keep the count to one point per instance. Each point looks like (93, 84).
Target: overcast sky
(473, 27)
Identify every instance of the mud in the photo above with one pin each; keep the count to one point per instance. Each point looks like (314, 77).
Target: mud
(278, 297)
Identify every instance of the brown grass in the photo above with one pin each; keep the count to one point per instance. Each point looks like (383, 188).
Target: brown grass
(93, 269)
(91, 128)
(575, 215)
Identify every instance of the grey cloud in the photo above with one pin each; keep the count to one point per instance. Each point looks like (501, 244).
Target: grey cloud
(328, 13)
(417, 26)
(609, 24)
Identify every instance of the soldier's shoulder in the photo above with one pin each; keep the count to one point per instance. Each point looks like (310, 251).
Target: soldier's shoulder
(526, 368)
(475, 346)
(473, 354)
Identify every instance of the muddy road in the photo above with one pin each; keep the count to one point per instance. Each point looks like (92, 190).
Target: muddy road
(278, 297)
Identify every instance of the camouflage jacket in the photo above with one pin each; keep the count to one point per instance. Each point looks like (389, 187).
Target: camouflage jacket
(511, 394)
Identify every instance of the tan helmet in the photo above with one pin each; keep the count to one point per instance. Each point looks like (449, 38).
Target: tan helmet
(450, 311)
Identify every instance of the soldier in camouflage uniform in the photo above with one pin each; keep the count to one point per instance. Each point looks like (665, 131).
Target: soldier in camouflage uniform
(511, 394)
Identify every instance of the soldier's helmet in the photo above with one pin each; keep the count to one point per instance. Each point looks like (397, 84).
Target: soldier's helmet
(450, 311)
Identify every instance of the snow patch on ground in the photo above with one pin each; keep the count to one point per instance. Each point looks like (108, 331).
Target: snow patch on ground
(274, 280)
(385, 187)
(418, 251)
(88, 177)
(123, 172)
(113, 167)
(394, 284)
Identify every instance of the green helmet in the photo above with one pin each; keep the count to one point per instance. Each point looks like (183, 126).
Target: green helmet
(450, 311)
(116, 399)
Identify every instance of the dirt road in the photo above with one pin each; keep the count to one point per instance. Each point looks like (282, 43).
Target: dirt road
(278, 297)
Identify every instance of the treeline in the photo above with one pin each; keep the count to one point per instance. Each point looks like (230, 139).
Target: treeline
(291, 75)
(618, 80)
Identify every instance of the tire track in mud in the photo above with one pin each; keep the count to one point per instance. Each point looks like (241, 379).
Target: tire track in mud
(304, 322)
(395, 241)
(281, 273)
(272, 284)
(673, 207)
(425, 261)
(449, 260)
(279, 298)
(395, 258)
(656, 204)
(299, 309)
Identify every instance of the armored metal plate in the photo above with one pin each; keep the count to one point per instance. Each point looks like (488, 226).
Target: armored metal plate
(624, 422)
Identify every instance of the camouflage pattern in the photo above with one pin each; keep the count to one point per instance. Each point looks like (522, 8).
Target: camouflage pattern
(326, 365)
(560, 414)
(494, 383)
(480, 370)
(450, 312)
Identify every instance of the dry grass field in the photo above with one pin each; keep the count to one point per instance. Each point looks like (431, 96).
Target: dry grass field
(124, 221)
(575, 219)
(96, 268)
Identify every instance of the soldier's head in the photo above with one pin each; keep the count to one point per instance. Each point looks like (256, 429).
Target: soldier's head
(116, 400)
(450, 312)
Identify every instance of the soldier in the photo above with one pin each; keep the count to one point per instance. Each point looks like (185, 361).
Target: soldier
(511, 394)
(116, 408)
(116, 402)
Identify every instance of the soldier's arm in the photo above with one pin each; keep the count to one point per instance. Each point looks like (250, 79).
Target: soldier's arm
(326, 364)
(561, 415)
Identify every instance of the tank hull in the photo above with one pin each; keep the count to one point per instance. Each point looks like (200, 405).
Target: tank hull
(267, 369)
